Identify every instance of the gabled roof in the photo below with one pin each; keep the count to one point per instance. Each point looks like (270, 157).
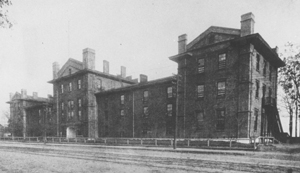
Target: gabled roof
(75, 64)
(214, 29)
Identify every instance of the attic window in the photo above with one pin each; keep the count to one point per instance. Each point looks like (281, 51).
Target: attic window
(70, 71)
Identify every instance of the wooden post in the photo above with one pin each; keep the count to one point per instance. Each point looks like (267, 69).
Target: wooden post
(230, 143)
(127, 141)
(155, 142)
(208, 142)
(188, 142)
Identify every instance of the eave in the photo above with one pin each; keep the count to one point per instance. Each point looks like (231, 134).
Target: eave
(261, 46)
(176, 58)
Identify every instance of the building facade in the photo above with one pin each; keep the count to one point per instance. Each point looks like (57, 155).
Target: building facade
(228, 77)
(31, 115)
(74, 86)
(225, 87)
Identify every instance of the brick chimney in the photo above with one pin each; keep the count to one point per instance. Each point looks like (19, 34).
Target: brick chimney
(88, 59)
(35, 95)
(123, 71)
(55, 69)
(105, 67)
(182, 39)
(23, 93)
(247, 24)
(143, 78)
(11, 95)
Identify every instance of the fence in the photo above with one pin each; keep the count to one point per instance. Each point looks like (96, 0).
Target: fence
(202, 143)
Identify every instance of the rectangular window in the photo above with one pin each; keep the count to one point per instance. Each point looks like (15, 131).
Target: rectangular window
(256, 118)
(170, 92)
(79, 84)
(201, 64)
(62, 106)
(221, 88)
(220, 126)
(270, 92)
(146, 111)
(257, 89)
(146, 96)
(69, 104)
(222, 61)
(122, 99)
(122, 112)
(79, 115)
(170, 110)
(79, 103)
(257, 61)
(69, 115)
(99, 84)
(62, 88)
(200, 116)
(265, 68)
(200, 91)
(270, 73)
(106, 115)
(70, 86)
(72, 104)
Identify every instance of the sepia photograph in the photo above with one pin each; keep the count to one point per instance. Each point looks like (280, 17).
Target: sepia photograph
(149, 86)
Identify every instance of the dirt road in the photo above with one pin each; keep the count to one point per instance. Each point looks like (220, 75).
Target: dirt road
(24, 157)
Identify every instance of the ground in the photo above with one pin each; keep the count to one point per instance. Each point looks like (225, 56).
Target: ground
(49, 158)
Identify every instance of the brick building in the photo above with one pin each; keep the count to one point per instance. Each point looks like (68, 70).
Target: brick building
(229, 79)
(31, 115)
(74, 86)
(226, 88)
(143, 110)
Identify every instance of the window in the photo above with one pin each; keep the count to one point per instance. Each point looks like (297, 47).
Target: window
(220, 119)
(222, 61)
(62, 106)
(257, 89)
(79, 84)
(257, 61)
(79, 115)
(270, 74)
(201, 64)
(170, 92)
(255, 120)
(170, 110)
(79, 103)
(200, 91)
(264, 90)
(70, 86)
(69, 115)
(70, 71)
(146, 111)
(72, 104)
(200, 116)
(122, 112)
(106, 115)
(270, 92)
(99, 84)
(122, 99)
(62, 88)
(265, 68)
(146, 96)
(221, 88)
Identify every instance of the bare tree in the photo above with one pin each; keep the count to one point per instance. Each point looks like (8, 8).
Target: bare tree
(4, 19)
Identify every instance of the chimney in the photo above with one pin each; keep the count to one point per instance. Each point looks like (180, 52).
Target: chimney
(55, 69)
(105, 67)
(247, 24)
(23, 93)
(123, 71)
(182, 43)
(11, 95)
(88, 59)
(143, 78)
(35, 95)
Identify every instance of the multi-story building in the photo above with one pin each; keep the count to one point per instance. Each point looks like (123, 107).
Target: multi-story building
(229, 78)
(145, 109)
(31, 115)
(226, 88)
(74, 86)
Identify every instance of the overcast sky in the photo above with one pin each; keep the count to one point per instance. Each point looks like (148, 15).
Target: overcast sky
(138, 34)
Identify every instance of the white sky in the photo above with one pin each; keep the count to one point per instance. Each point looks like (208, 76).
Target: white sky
(138, 34)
